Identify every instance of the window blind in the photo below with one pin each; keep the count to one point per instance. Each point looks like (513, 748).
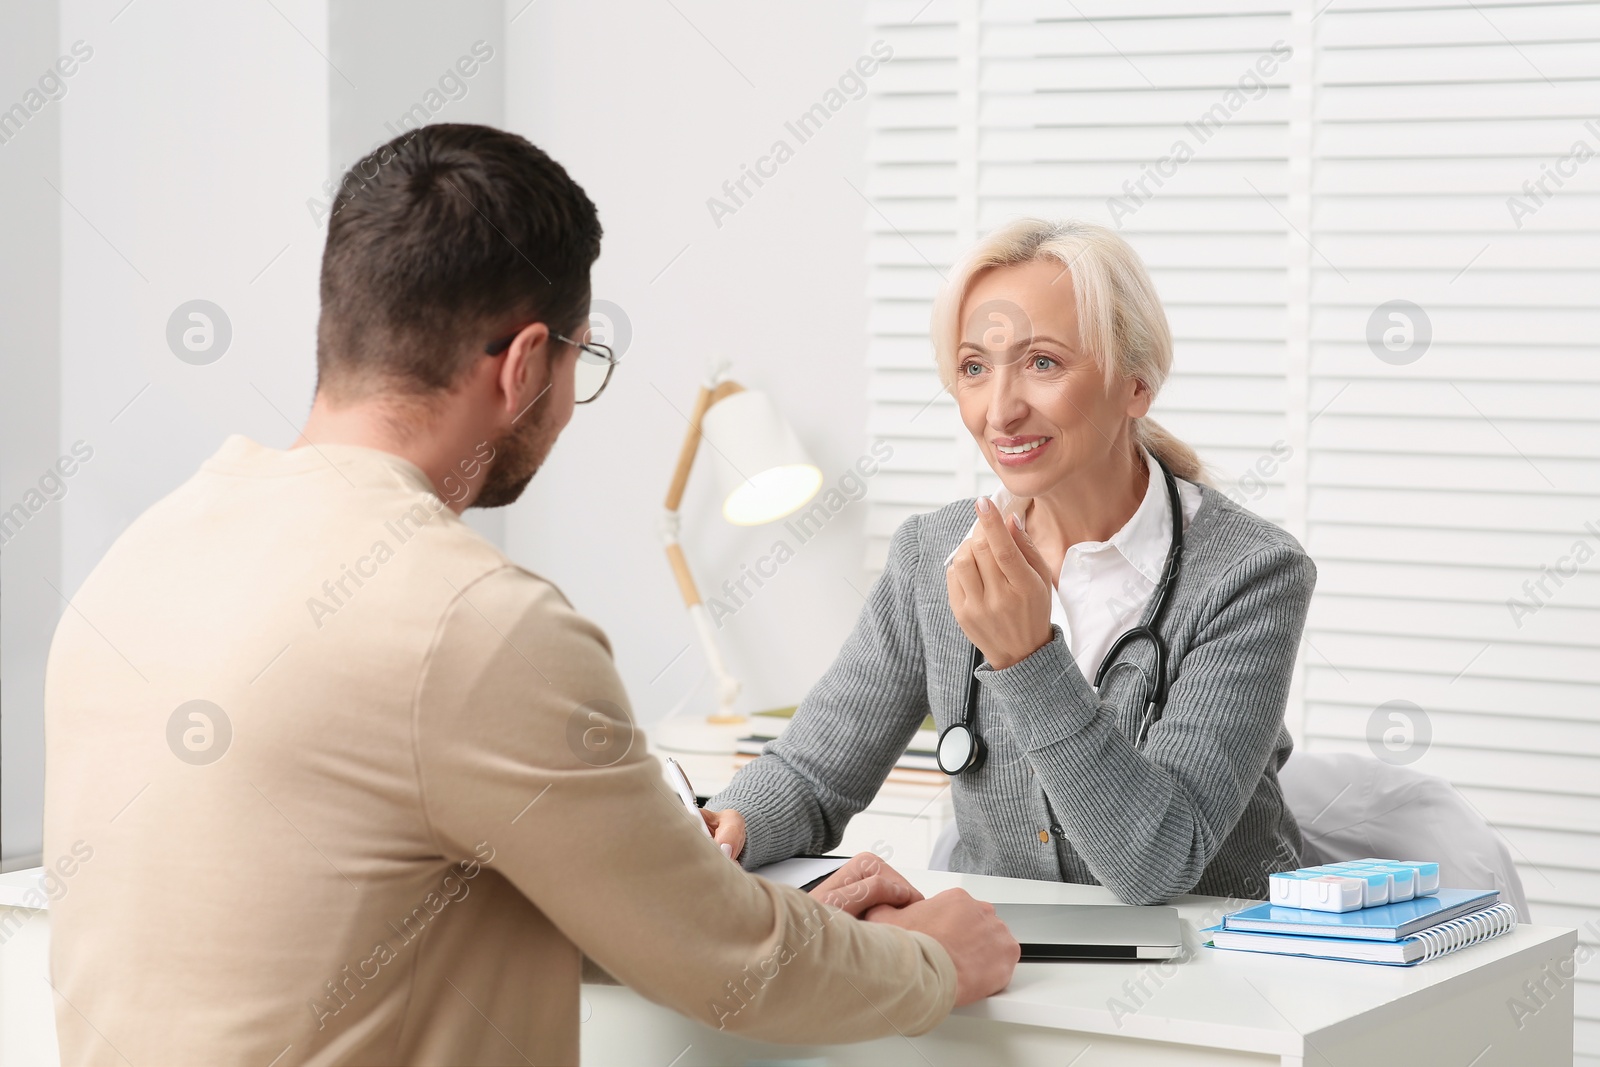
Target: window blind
(1442, 478)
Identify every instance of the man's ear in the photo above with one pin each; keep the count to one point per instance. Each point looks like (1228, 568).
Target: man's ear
(525, 370)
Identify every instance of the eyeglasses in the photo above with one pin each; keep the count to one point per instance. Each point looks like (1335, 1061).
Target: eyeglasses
(595, 364)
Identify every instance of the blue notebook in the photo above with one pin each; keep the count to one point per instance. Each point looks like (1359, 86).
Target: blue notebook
(1386, 922)
(1435, 941)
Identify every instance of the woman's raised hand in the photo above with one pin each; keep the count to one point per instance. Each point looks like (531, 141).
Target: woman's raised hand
(1000, 589)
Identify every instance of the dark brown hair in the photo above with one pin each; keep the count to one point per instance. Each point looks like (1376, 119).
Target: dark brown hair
(439, 241)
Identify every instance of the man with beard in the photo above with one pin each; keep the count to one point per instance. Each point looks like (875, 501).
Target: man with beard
(331, 780)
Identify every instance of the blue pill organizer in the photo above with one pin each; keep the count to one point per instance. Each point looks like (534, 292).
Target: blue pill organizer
(1353, 884)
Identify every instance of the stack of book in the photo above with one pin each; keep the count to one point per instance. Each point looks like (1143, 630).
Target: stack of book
(916, 766)
(1365, 911)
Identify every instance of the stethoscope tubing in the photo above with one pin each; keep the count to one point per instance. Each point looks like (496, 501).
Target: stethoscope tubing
(961, 748)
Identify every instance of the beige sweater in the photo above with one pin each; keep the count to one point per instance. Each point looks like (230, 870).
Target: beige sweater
(410, 801)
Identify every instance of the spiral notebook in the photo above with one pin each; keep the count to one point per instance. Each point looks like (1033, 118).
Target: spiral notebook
(1420, 947)
(1386, 922)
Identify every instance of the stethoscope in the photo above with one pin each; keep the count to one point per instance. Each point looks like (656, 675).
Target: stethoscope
(961, 749)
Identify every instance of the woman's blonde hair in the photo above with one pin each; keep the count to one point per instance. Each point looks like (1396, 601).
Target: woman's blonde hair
(1120, 319)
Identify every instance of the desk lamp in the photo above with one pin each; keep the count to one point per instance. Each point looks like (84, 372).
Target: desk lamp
(763, 473)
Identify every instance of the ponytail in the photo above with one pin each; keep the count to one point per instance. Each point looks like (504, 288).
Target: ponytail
(1180, 459)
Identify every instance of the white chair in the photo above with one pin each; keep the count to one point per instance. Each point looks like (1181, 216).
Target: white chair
(943, 846)
(1350, 807)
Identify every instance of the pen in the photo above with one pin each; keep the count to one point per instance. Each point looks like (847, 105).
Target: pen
(680, 782)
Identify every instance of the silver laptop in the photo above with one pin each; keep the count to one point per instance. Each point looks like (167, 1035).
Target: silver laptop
(1093, 931)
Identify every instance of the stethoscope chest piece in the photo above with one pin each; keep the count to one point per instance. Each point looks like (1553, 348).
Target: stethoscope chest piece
(960, 749)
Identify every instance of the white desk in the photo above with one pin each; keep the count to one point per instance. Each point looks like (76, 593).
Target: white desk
(1216, 1007)
(27, 1008)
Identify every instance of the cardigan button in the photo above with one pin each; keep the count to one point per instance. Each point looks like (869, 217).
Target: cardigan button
(1044, 836)
(1055, 828)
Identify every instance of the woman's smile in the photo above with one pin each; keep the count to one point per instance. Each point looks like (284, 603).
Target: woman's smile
(1019, 451)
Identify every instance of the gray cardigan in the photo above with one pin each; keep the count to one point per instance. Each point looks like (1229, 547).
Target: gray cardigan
(1197, 809)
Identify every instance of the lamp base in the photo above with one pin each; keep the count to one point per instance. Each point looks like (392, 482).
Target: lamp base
(715, 735)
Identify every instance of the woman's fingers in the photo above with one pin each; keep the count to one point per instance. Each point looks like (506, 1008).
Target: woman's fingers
(1029, 551)
(996, 583)
(1008, 559)
(727, 830)
(962, 577)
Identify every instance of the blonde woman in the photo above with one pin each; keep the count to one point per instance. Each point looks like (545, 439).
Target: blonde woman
(1105, 645)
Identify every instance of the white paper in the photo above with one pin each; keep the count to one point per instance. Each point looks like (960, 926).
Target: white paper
(801, 870)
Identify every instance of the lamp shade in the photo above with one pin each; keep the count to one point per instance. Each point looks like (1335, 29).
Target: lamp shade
(762, 470)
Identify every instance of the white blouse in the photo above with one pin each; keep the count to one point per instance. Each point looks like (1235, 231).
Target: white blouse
(1104, 585)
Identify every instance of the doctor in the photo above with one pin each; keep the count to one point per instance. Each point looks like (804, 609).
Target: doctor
(1105, 645)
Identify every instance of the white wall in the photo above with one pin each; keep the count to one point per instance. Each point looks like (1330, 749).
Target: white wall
(30, 562)
(183, 167)
(779, 288)
(188, 161)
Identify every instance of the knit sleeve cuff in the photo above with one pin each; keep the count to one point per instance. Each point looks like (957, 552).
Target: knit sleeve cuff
(774, 818)
(1045, 696)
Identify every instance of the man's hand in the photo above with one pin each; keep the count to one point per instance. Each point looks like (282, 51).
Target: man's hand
(982, 948)
(864, 883)
(1000, 590)
(727, 829)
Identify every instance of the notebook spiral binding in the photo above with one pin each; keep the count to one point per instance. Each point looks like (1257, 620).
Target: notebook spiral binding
(1467, 930)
